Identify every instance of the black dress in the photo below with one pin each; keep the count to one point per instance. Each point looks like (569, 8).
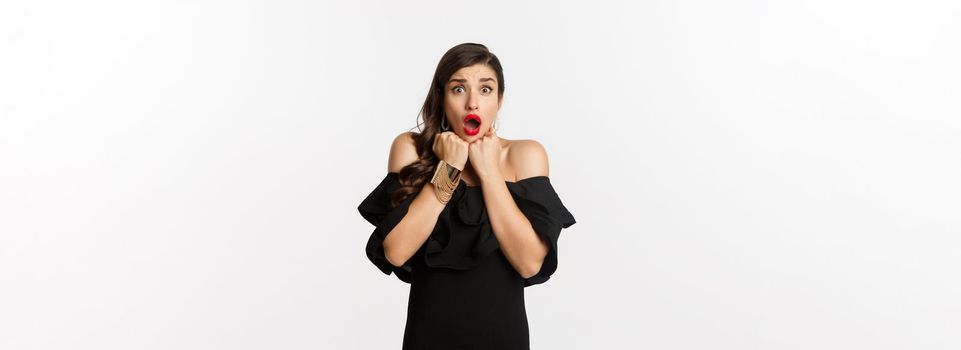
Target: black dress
(464, 294)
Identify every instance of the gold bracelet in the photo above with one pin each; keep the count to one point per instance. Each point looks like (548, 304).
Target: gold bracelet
(444, 186)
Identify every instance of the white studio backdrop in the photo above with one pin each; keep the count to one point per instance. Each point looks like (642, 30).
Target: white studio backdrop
(745, 174)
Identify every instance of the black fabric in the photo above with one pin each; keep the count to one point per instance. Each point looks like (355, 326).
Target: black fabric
(464, 293)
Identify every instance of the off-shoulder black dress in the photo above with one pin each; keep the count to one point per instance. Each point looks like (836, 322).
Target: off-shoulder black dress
(464, 294)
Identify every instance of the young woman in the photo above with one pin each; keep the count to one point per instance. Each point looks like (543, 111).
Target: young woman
(467, 218)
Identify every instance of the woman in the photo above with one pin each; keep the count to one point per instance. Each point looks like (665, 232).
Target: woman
(467, 218)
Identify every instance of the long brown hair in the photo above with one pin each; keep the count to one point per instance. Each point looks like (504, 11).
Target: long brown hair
(413, 176)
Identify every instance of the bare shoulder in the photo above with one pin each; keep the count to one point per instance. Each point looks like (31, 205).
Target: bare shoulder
(528, 158)
(403, 152)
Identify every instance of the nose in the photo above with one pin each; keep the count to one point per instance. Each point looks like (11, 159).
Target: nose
(472, 101)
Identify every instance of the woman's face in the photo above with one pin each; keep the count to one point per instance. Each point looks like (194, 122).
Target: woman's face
(471, 101)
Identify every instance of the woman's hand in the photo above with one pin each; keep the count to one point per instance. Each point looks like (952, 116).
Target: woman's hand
(485, 157)
(451, 149)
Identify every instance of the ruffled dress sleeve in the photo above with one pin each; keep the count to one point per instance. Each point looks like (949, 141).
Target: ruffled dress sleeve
(376, 209)
(463, 237)
(536, 198)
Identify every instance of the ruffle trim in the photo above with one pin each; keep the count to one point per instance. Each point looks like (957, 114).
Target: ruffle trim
(466, 216)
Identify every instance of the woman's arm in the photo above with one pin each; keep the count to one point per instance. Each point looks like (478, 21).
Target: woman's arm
(523, 247)
(410, 233)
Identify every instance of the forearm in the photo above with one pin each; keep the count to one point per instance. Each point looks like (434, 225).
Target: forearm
(410, 233)
(519, 242)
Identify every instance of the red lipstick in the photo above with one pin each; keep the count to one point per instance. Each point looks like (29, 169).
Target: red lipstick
(472, 124)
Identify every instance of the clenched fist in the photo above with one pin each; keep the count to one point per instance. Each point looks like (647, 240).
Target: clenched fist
(485, 156)
(451, 149)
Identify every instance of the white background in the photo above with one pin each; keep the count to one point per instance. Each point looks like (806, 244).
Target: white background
(745, 174)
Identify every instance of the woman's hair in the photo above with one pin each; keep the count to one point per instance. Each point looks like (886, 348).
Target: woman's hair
(413, 176)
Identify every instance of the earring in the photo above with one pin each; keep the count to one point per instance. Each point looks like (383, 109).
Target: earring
(443, 124)
(494, 124)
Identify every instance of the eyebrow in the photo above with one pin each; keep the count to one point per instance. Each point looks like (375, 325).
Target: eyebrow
(464, 81)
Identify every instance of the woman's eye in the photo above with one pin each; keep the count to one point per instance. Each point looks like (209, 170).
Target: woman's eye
(458, 89)
(486, 90)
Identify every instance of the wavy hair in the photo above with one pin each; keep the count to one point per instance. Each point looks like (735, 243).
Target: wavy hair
(413, 176)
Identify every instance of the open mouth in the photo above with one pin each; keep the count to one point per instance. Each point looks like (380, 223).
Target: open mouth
(472, 124)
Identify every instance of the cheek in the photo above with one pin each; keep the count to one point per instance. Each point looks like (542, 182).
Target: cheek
(491, 106)
(449, 107)
(449, 101)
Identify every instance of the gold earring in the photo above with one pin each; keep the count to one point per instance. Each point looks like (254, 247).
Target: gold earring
(443, 124)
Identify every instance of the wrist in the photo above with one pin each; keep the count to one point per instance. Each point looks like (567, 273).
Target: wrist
(445, 181)
(452, 171)
(454, 165)
(494, 177)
